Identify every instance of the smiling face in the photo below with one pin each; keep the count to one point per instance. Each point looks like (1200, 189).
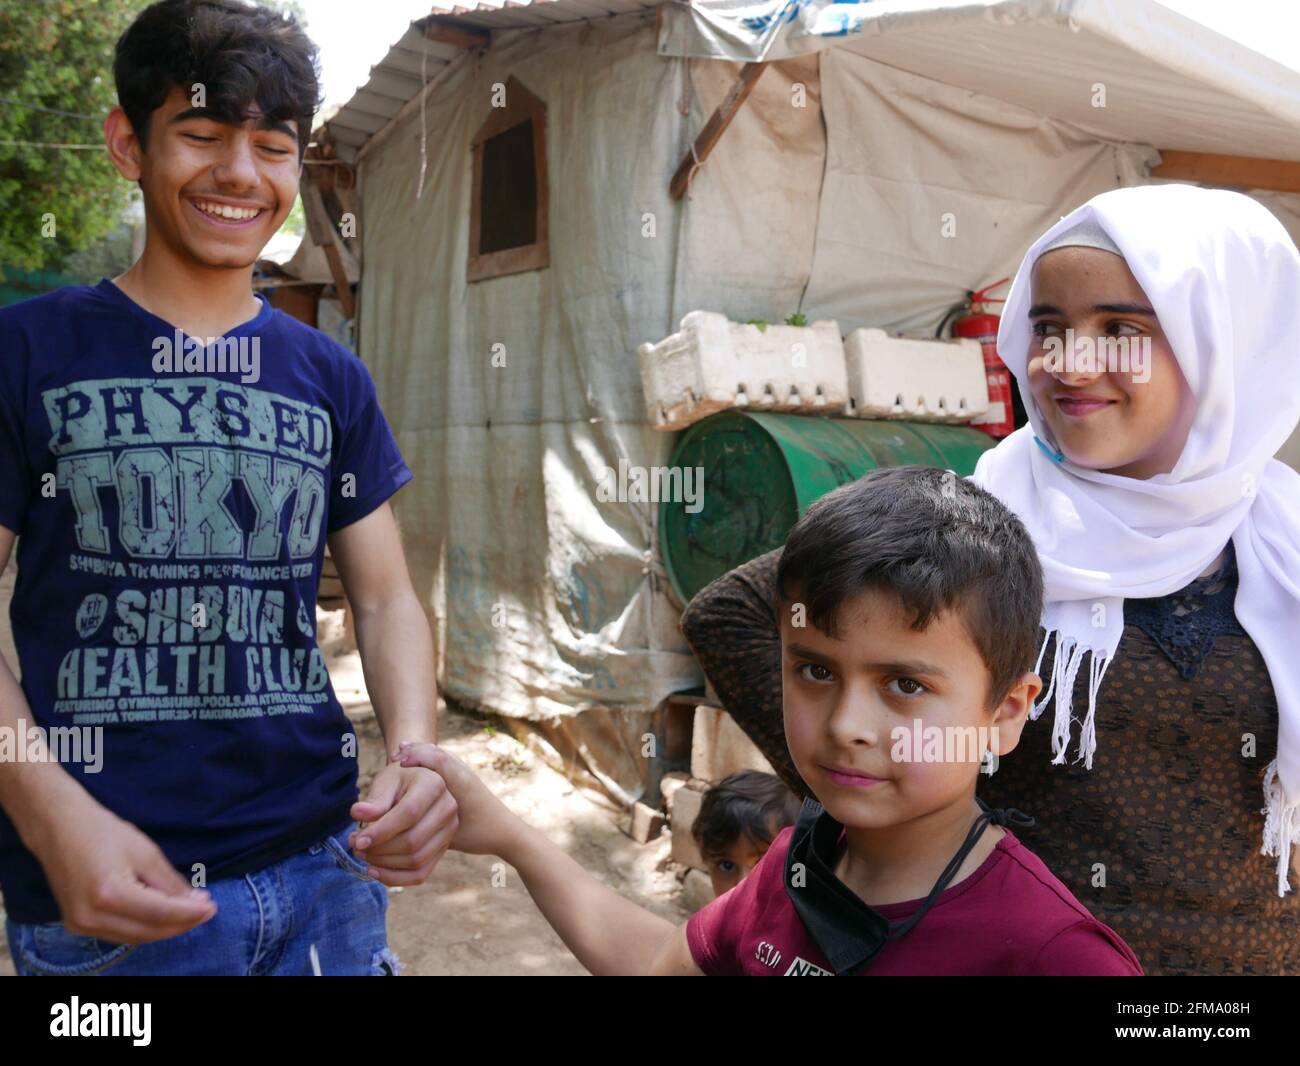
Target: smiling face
(214, 193)
(845, 696)
(1103, 417)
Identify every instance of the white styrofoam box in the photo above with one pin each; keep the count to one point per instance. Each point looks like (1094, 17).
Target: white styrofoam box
(919, 380)
(712, 364)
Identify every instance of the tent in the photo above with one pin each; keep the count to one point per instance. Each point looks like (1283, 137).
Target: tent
(866, 162)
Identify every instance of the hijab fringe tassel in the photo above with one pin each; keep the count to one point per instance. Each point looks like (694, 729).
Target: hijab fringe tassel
(1281, 826)
(1066, 664)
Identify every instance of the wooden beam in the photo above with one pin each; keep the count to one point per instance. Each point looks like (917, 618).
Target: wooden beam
(1237, 171)
(341, 284)
(319, 224)
(458, 35)
(715, 127)
(321, 228)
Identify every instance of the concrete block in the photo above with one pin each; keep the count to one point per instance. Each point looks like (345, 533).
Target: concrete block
(686, 805)
(646, 823)
(719, 747)
(669, 785)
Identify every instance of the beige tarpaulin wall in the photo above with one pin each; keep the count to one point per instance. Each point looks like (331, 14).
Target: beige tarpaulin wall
(932, 190)
(540, 594)
(550, 604)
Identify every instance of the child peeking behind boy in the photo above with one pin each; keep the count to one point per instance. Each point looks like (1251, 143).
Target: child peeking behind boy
(909, 602)
(739, 818)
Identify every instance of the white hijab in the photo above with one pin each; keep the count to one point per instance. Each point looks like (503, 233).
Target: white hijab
(1223, 277)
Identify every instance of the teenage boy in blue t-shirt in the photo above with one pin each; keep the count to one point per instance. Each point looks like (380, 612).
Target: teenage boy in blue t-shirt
(171, 504)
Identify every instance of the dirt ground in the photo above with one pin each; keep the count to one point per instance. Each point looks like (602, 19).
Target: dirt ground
(459, 922)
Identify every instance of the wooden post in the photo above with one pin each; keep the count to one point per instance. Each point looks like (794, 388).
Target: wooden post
(321, 229)
(1236, 171)
(715, 127)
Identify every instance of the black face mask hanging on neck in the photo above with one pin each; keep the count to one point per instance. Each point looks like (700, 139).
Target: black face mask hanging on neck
(847, 930)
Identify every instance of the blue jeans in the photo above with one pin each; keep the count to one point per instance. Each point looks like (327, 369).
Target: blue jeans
(266, 923)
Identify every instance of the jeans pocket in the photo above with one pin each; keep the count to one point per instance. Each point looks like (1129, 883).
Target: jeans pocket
(51, 950)
(342, 855)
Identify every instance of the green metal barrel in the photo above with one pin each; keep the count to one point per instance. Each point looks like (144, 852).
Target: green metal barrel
(761, 471)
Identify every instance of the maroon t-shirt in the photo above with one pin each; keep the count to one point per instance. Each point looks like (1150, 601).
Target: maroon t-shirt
(1011, 917)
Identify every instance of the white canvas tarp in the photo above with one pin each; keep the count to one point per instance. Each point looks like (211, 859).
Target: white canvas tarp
(958, 130)
(932, 190)
(1125, 70)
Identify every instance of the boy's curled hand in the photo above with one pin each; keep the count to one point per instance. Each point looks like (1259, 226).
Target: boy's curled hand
(486, 824)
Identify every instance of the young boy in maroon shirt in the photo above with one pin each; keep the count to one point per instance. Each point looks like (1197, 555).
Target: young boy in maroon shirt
(910, 602)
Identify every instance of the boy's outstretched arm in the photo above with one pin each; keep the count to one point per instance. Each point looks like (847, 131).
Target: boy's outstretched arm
(606, 933)
(410, 818)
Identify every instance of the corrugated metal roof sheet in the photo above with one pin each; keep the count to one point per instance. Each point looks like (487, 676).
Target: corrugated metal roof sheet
(415, 60)
(505, 13)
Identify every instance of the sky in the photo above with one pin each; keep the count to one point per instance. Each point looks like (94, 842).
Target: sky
(1270, 27)
(354, 35)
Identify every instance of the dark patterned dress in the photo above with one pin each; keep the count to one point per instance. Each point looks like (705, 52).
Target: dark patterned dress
(1161, 838)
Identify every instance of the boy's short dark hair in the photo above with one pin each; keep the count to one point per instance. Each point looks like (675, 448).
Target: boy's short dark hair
(749, 804)
(239, 53)
(938, 542)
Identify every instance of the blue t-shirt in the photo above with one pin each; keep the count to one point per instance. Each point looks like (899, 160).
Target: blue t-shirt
(171, 505)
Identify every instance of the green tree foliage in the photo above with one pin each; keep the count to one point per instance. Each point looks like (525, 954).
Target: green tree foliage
(57, 55)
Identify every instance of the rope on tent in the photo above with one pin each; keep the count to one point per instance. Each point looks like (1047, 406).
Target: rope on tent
(424, 131)
(684, 109)
(696, 163)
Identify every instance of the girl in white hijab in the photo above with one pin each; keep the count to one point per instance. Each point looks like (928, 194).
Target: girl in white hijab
(1135, 475)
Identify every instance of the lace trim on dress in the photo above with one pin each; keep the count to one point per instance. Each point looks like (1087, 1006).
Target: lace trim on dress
(1184, 624)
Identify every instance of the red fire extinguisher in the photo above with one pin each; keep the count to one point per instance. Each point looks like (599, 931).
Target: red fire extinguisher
(978, 323)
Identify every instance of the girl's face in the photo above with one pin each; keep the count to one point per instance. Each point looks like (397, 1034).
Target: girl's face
(1122, 408)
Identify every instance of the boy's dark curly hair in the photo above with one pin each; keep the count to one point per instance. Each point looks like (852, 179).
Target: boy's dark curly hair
(745, 804)
(238, 52)
(935, 540)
